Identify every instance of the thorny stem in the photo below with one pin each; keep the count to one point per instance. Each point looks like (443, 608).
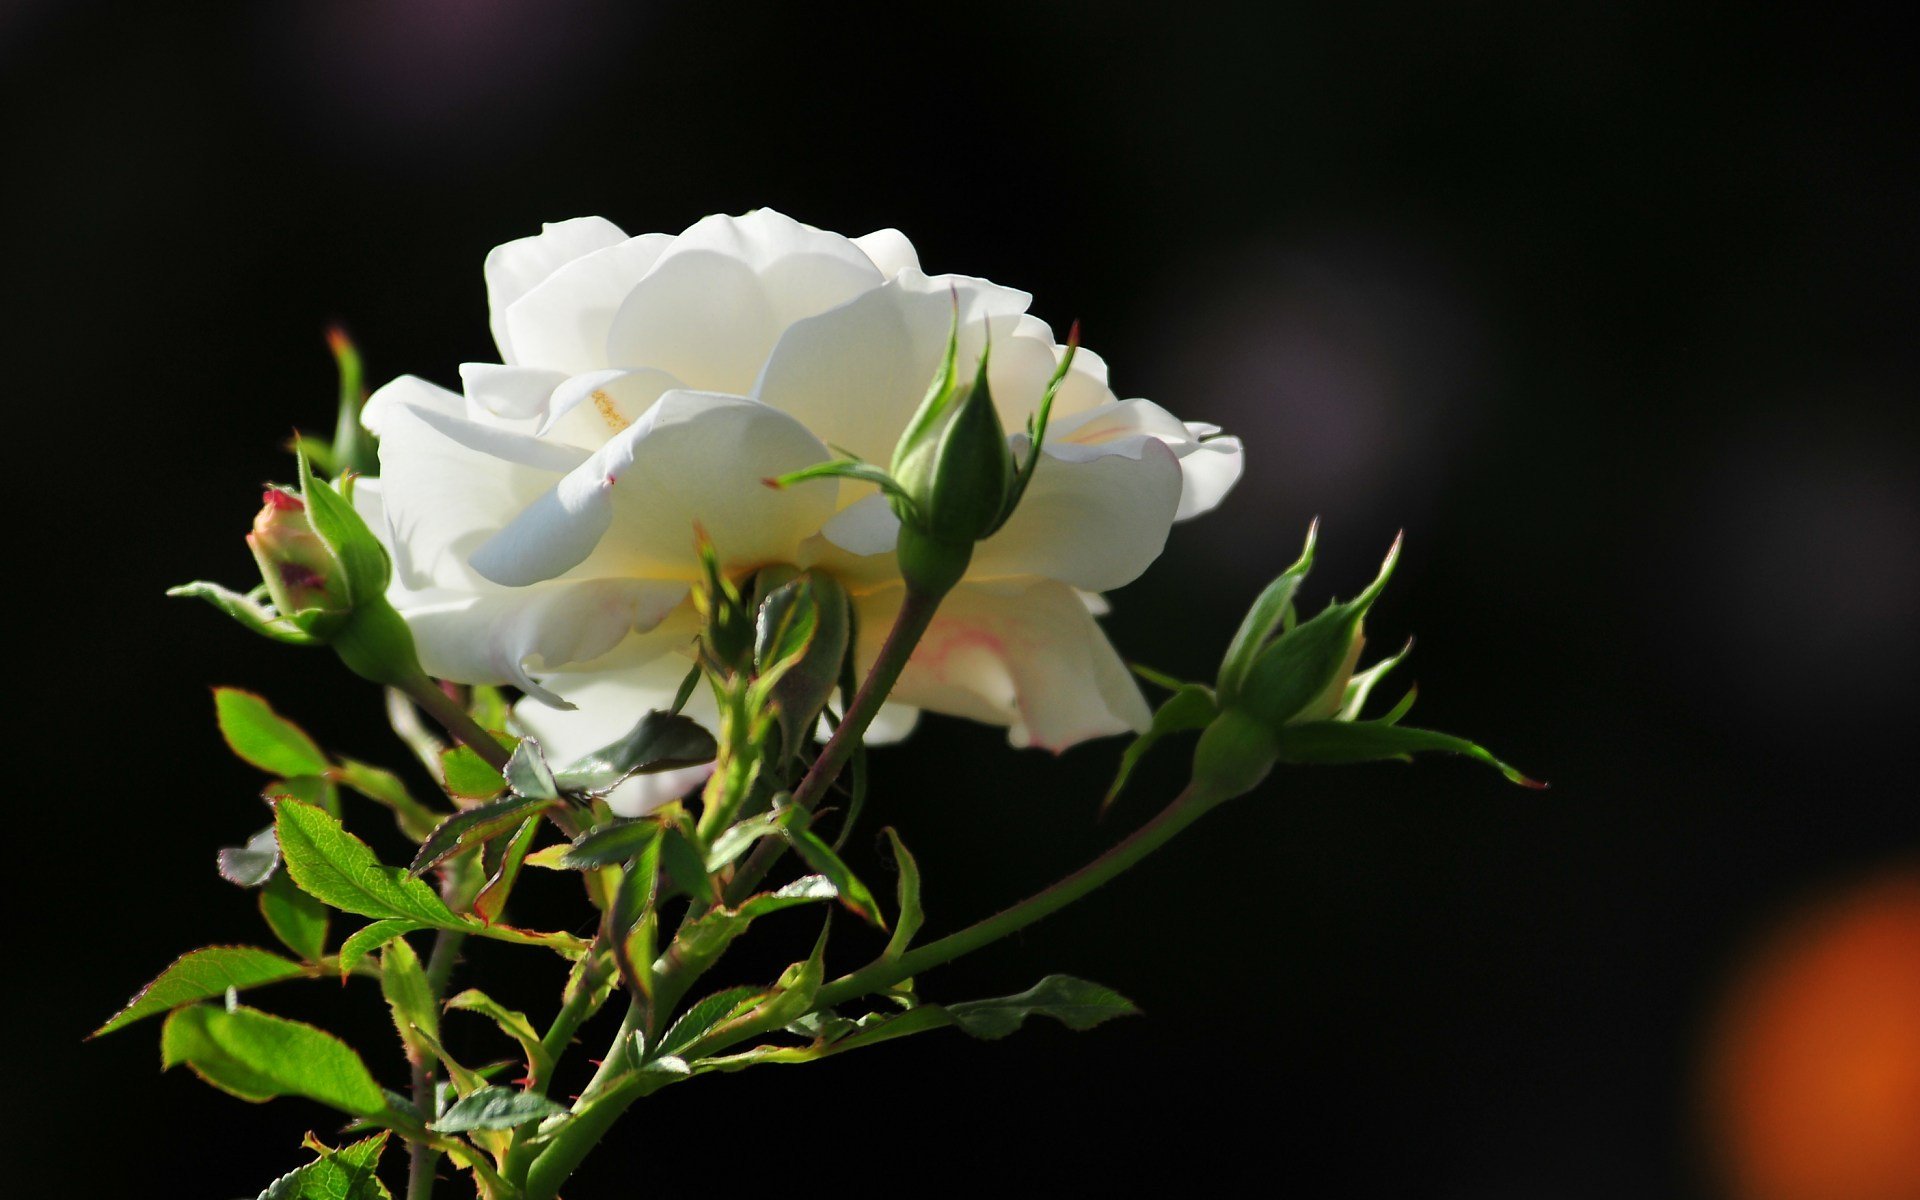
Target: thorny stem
(423, 1160)
(444, 709)
(916, 613)
(598, 1112)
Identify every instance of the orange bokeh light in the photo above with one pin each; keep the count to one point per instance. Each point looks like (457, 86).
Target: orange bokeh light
(1814, 1083)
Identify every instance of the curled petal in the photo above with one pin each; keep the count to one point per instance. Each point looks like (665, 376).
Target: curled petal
(1209, 465)
(509, 393)
(512, 635)
(855, 374)
(562, 323)
(446, 483)
(712, 307)
(515, 268)
(692, 459)
(890, 251)
(1027, 656)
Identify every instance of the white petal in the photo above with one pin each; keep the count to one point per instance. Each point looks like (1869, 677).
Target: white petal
(1209, 469)
(1209, 465)
(865, 527)
(890, 251)
(563, 322)
(515, 268)
(711, 308)
(609, 696)
(1029, 657)
(1094, 516)
(692, 459)
(893, 724)
(510, 393)
(508, 635)
(855, 374)
(443, 489)
(588, 409)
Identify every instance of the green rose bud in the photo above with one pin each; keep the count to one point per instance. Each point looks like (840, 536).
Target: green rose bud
(953, 479)
(955, 469)
(300, 571)
(324, 581)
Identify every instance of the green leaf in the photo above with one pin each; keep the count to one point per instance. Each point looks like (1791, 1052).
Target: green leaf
(1075, 1003)
(264, 738)
(255, 1056)
(403, 981)
(201, 975)
(467, 775)
(801, 633)
(332, 865)
(681, 860)
(1339, 742)
(605, 846)
(1267, 615)
(368, 938)
(1191, 707)
(515, 1025)
(474, 827)
(908, 892)
(528, 775)
(297, 919)
(251, 865)
(792, 994)
(491, 900)
(820, 856)
(344, 1174)
(805, 890)
(248, 610)
(707, 1015)
(345, 531)
(489, 707)
(734, 840)
(660, 742)
(382, 786)
(496, 1108)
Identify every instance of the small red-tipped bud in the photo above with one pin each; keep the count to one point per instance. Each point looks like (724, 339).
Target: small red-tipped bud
(300, 572)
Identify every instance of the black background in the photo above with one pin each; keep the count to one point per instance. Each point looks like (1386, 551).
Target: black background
(1608, 305)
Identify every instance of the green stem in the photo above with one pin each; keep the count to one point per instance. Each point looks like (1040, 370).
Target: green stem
(916, 613)
(423, 1160)
(1186, 808)
(457, 721)
(597, 1114)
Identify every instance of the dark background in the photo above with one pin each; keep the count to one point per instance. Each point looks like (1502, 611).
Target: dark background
(1608, 305)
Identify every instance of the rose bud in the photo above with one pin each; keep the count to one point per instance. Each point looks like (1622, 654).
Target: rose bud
(300, 571)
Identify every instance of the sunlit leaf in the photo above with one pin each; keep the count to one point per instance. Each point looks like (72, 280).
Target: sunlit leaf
(255, 1056)
(344, 1174)
(202, 975)
(264, 738)
(332, 865)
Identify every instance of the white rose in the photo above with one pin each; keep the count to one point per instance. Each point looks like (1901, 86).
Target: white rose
(542, 524)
